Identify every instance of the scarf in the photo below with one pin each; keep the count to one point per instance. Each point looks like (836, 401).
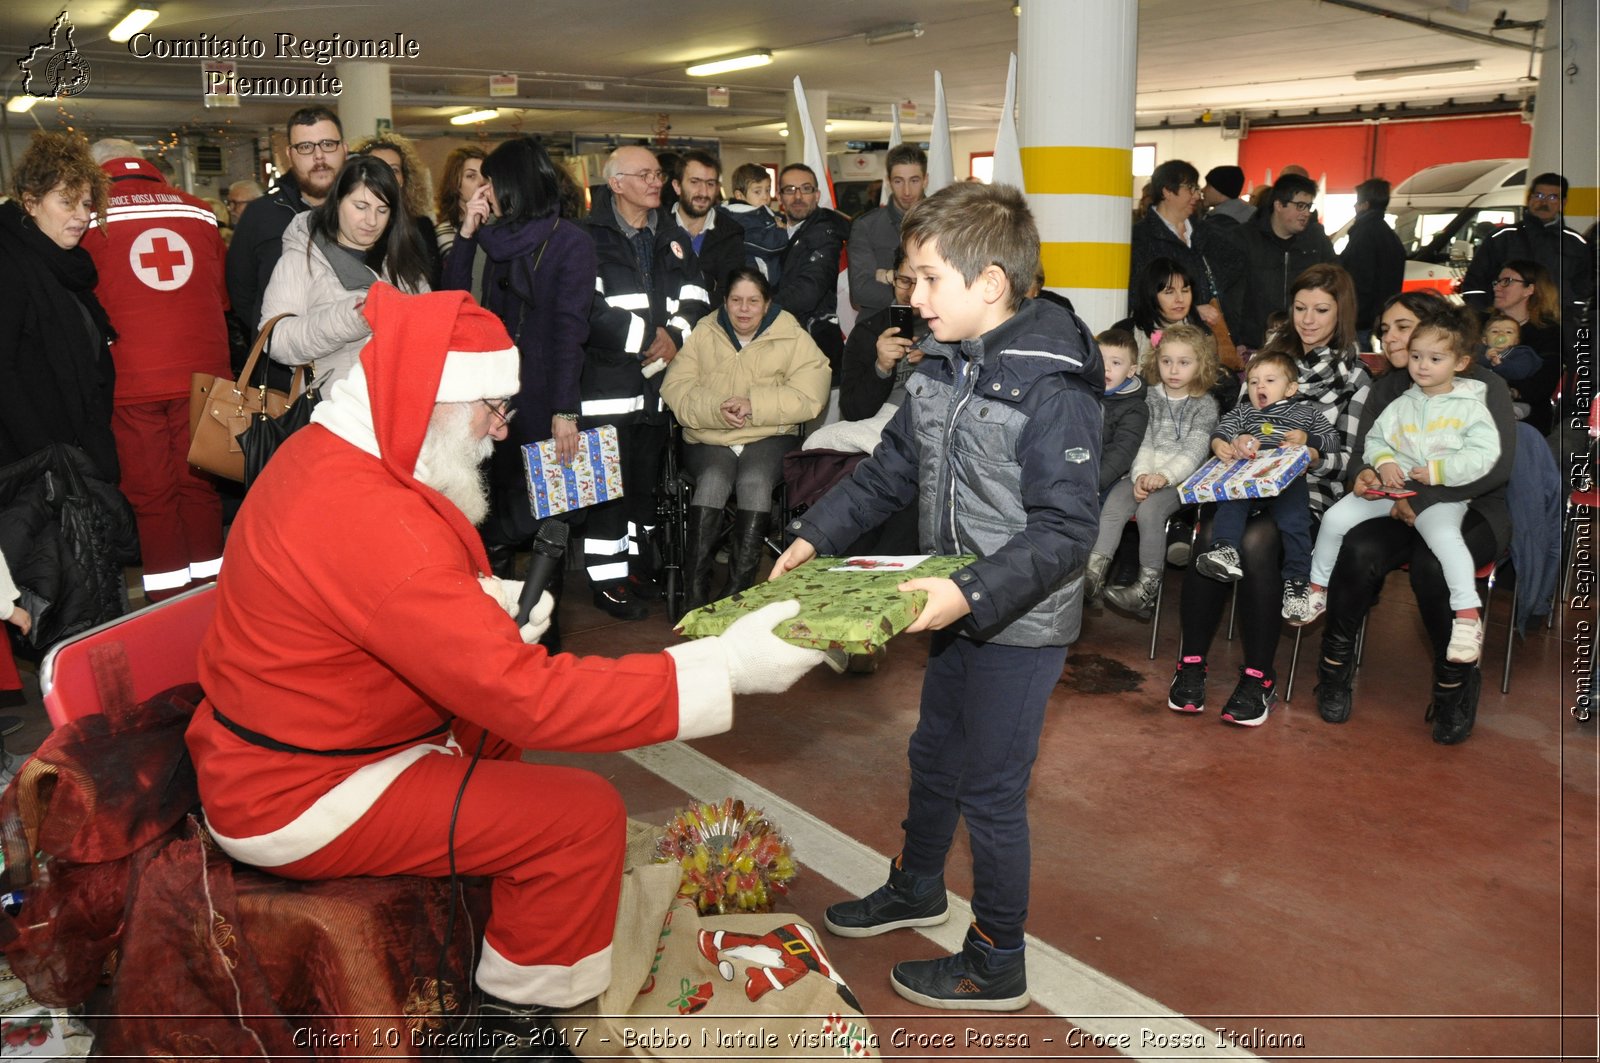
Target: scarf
(1331, 377)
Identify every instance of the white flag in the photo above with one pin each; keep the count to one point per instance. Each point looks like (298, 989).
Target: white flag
(941, 166)
(1007, 149)
(815, 157)
(894, 142)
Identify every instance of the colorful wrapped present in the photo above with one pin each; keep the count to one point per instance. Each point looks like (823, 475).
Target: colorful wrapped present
(595, 475)
(846, 604)
(1262, 476)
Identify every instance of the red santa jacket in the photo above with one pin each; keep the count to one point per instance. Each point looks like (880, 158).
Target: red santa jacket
(349, 616)
(160, 259)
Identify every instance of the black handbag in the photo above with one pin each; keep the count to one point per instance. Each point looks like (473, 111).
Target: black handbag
(264, 434)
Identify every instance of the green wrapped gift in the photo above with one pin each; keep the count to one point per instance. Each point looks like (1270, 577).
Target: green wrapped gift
(846, 604)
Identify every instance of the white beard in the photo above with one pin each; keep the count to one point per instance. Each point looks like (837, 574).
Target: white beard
(451, 460)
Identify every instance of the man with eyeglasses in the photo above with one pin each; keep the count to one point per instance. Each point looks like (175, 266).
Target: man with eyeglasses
(716, 236)
(808, 283)
(240, 195)
(316, 150)
(648, 295)
(876, 234)
(1543, 237)
(1272, 250)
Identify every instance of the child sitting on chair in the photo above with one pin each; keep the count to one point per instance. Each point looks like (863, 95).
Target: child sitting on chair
(1438, 432)
(1271, 419)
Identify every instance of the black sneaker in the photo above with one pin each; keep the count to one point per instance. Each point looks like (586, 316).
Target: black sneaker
(1188, 690)
(1221, 562)
(905, 900)
(621, 603)
(1335, 698)
(978, 978)
(1251, 700)
(1455, 709)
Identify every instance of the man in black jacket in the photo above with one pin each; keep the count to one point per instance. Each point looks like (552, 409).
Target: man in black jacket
(1374, 256)
(1542, 237)
(316, 151)
(648, 295)
(1275, 247)
(715, 236)
(808, 286)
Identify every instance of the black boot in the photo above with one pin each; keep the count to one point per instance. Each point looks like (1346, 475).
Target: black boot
(1334, 696)
(1455, 708)
(749, 539)
(516, 1031)
(704, 523)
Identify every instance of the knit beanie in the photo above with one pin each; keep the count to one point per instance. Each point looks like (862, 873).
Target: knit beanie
(1229, 180)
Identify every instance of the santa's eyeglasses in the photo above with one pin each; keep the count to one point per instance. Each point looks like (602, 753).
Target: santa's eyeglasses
(501, 409)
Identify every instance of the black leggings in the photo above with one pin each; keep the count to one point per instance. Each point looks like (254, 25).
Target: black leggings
(1374, 549)
(1260, 595)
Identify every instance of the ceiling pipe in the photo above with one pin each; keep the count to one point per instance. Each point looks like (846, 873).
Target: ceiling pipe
(1438, 27)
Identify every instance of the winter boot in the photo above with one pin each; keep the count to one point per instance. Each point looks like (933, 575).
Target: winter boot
(1334, 696)
(1455, 708)
(905, 900)
(1094, 577)
(704, 523)
(749, 539)
(1137, 599)
(980, 977)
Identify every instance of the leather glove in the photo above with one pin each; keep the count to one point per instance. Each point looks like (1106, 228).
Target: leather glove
(759, 662)
(507, 593)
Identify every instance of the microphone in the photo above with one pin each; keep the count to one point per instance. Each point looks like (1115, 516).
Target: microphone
(548, 546)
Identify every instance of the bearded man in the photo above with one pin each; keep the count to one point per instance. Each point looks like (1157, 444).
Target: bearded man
(362, 657)
(714, 235)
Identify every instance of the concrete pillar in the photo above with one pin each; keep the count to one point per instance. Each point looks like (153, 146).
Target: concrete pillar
(1076, 62)
(1563, 117)
(365, 99)
(794, 148)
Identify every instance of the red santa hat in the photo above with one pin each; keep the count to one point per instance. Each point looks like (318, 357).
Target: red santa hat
(427, 349)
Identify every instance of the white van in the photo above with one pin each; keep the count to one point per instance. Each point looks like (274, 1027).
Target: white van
(1443, 213)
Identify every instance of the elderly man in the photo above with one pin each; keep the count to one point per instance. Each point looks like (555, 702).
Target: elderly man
(316, 150)
(1273, 248)
(1543, 237)
(876, 234)
(362, 666)
(808, 283)
(715, 236)
(648, 295)
(240, 195)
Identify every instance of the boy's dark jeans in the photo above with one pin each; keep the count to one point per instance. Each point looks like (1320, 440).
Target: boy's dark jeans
(1291, 511)
(971, 756)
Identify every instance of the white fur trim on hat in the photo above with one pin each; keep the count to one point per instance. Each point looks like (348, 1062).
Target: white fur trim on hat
(472, 375)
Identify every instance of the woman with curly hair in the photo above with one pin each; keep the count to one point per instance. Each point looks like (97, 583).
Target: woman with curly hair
(414, 180)
(56, 373)
(463, 175)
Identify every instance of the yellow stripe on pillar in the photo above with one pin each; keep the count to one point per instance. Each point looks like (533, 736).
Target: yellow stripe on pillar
(1583, 202)
(1072, 264)
(1082, 171)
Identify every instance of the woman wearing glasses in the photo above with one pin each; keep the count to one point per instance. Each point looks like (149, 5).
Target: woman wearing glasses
(1524, 292)
(1166, 229)
(538, 278)
(331, 255)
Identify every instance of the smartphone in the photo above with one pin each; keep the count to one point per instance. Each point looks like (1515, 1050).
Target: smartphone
(903, 318)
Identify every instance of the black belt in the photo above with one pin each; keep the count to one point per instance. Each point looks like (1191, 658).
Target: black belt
(256, 738)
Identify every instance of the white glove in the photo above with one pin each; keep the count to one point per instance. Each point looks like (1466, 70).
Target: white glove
(507, 593)
(759, 662)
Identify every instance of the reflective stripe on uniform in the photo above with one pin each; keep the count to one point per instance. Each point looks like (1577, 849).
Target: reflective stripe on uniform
(604, 573)
(205, 569)
(629, 301)
(605, 546)
(694, 291)
(636, 330)
(611, 407)
(165, 581)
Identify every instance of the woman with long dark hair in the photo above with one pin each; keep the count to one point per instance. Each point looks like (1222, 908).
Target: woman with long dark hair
(538, 278)
(1525, 292)
(463, 175)
(331, 255)
(1163, 295)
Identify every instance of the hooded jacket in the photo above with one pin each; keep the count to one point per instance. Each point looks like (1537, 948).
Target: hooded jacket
(781, 369)
(1266, 267)
(160, 259)
(1127, 415)
(999, 443)
(323, 287)
(1451, 434)
(628, 307)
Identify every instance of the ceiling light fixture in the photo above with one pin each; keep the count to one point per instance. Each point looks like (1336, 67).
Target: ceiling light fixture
(134, 21)
(1385, 73)
(21, 104)
(472, 117)
(900, 31)
(742, 61)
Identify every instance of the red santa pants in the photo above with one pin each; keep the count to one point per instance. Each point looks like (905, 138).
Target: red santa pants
(177, 509)
(551, 837)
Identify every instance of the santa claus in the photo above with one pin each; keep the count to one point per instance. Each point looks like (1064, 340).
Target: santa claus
(361, 654)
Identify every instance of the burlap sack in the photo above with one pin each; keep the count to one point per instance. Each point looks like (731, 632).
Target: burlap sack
(688, 987)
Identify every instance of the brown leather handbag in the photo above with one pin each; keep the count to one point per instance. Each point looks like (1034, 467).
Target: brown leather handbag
(219, 409)
(1227, 351)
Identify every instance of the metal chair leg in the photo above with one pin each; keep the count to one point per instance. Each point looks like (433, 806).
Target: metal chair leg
(1511, 633)
(1233, 610)
(1294, 659)
(1155, 619)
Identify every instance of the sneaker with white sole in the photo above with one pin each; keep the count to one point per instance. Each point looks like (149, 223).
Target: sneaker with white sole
(1466, 640)
(1221, 563)
(1301, 604)
(1188, 690)
(1251, 700)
